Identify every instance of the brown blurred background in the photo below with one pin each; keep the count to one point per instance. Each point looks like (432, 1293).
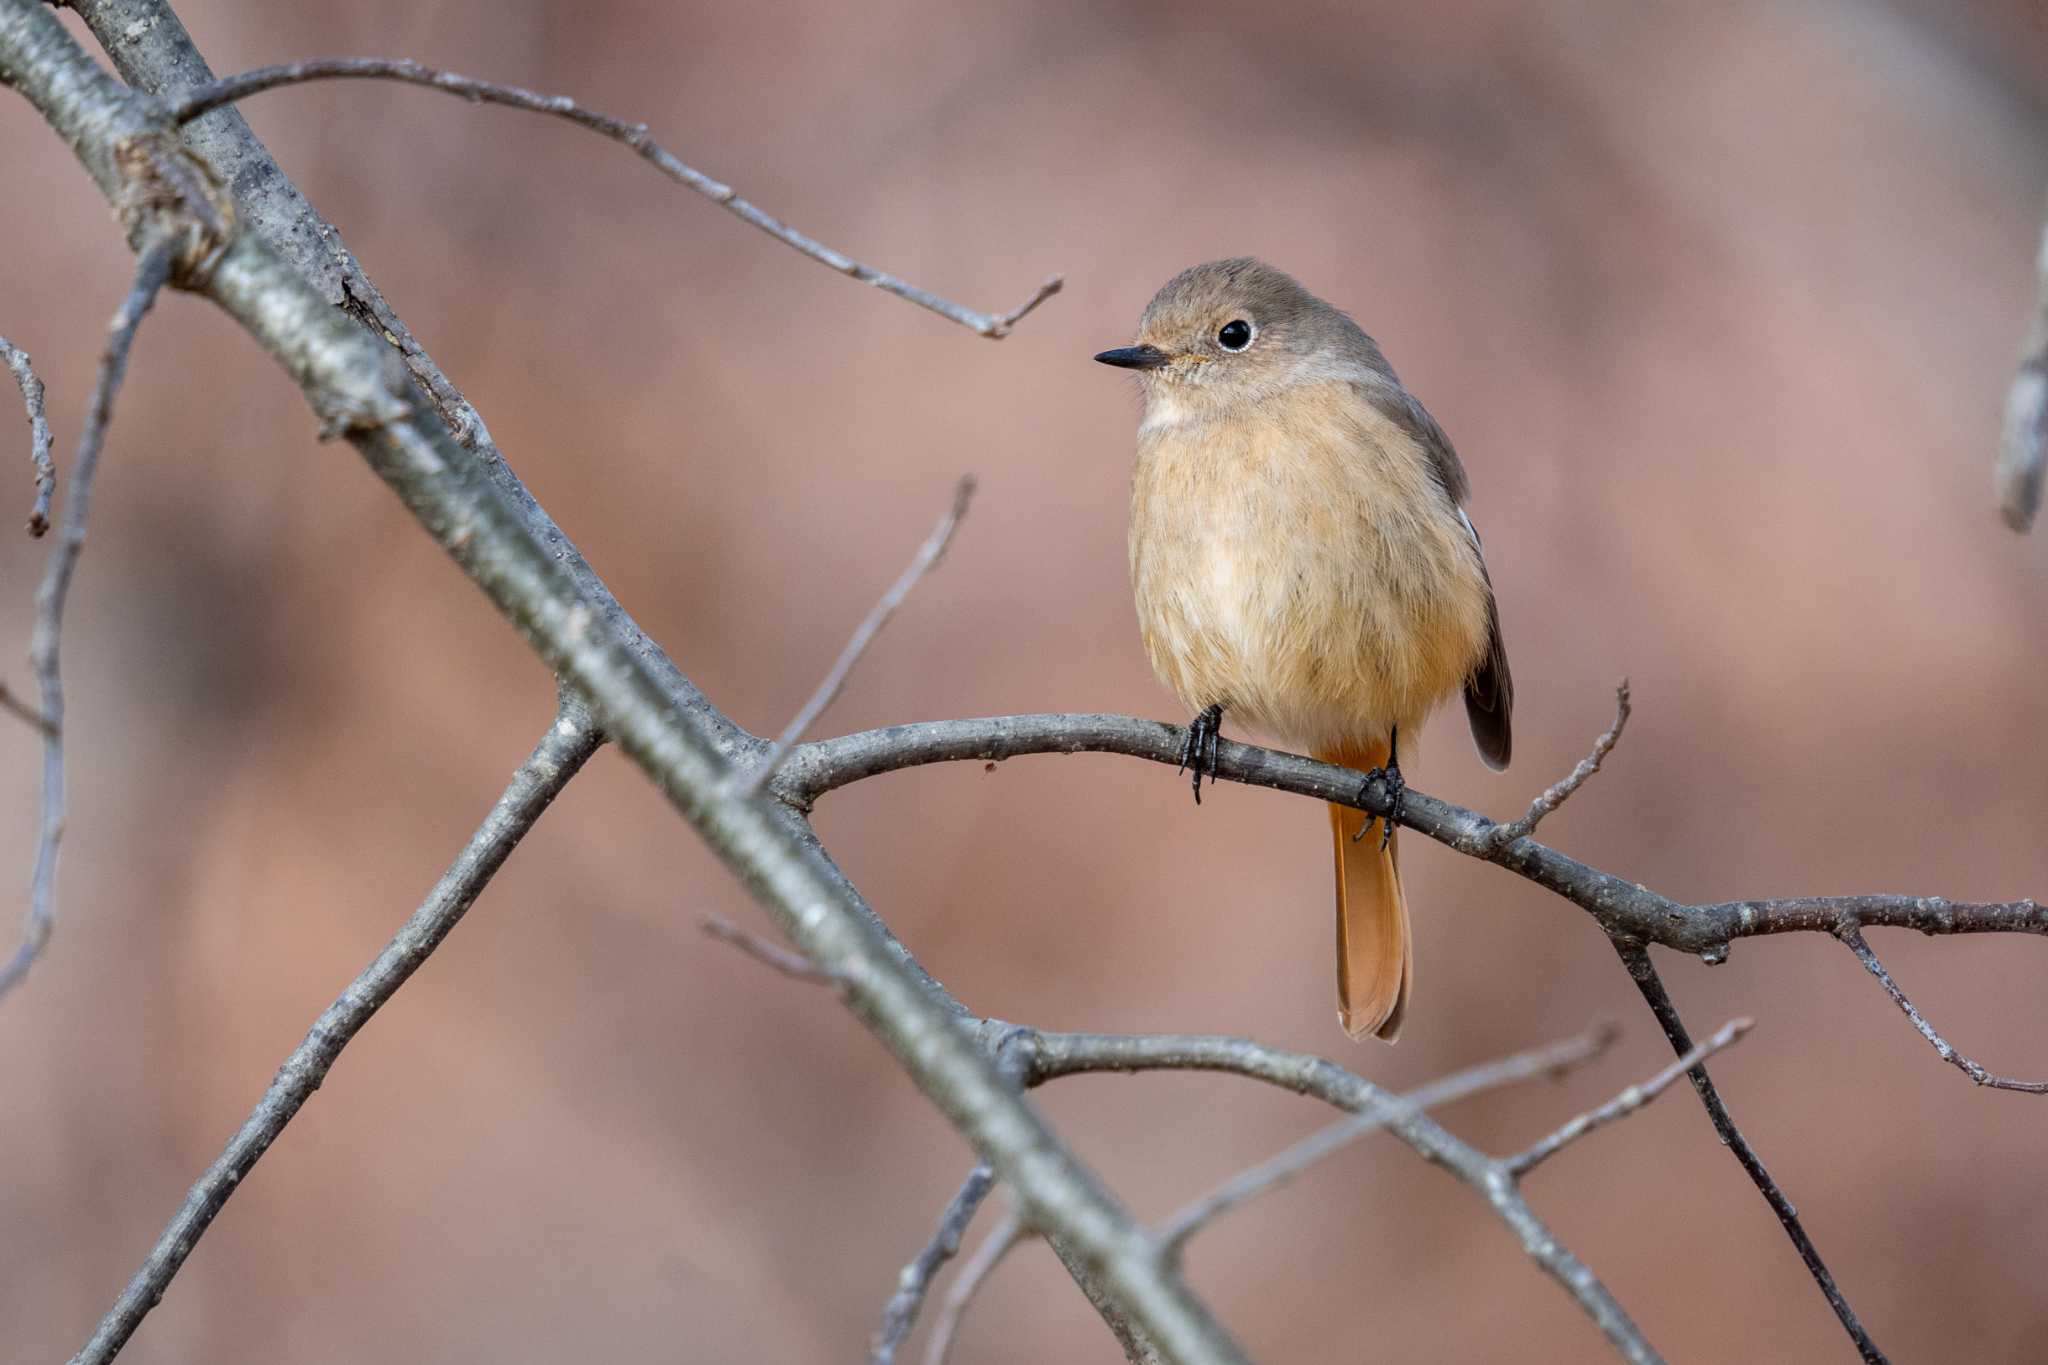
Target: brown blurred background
(1719, 303)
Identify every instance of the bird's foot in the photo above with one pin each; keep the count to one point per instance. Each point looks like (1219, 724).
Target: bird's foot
(1389, 776)
(1198, 750)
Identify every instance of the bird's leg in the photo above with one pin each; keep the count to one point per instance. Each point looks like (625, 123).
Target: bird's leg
(1198, 750)
(1390, 774)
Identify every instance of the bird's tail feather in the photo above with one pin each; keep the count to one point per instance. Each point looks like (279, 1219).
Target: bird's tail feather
(1375, 953)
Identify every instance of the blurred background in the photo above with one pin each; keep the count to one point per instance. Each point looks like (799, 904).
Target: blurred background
(1719, 303)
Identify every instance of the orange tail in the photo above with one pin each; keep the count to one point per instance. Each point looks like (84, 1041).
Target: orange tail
(1375, 955)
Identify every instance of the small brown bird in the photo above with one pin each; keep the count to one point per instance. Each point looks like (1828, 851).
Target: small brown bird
(1302, 560)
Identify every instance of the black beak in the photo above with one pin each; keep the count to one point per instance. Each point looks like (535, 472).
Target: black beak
(1134, 357)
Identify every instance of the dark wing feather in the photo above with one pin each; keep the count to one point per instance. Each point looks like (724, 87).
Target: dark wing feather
(1490, 691)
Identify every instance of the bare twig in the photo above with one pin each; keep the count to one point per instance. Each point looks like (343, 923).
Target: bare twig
(1562, 791)
(1053, 1055)
(927, 556)
(899, 1315)
(1545, 1062)
(2023, 447)
(561, 752)
(1640, 969)
(152, 271)
(772, 955)
(21, 710)
(1626, 1103)
(1851, 934)
(1003, 1239)
(38, 434)
(633, 135)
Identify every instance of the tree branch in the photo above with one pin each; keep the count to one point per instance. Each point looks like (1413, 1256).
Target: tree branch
(1003, 1239)
(38, 433)
(1623, 908)
(1626, 1103)
(634, 135)
(2023, 447)
(922, 563)
(153, 269)
(346, 378)
(1851, 934)
(1052, 1055)
(1562, 791)
(1550, 1062)
(559, 755)
(1640, 969)
(771, 955)
(899, 1315)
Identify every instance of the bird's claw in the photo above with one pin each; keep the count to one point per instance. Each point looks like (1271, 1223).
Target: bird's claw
(1198, 750)
(1390, 777)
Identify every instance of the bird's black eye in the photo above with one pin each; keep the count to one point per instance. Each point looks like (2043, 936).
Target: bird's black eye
(1234, 335)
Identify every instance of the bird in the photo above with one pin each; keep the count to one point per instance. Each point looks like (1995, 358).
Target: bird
(1302, 562)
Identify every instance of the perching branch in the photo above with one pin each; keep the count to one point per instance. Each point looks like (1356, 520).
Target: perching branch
(922, 563)
(1626, 1103)
(153, 269)
(1547, 1062)
(1622, 908)
(2023, 448)
(899, 1315)
(1850, 933)
(633, 135)
(38, 433)
(560, 754)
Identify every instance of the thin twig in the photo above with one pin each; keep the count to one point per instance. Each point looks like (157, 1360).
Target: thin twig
(927, 556)
(634, 135)
(152, 271)
(1550, 1061)
(899, 1315)
(1004, 1238)
(792, 964)
(1850, 933)
(38, 434)
(20, 709)
(2023, 446)
(1626, 1103)
(1562, 791)
(1644, 973)
(559, 755)
(1053, 1055)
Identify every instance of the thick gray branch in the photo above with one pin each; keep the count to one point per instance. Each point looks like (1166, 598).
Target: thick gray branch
(360, 390)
